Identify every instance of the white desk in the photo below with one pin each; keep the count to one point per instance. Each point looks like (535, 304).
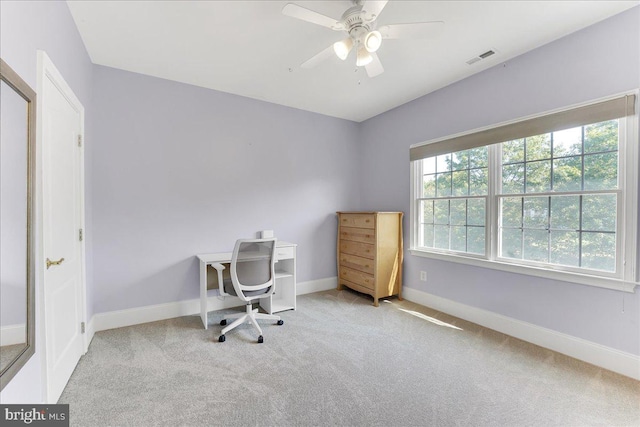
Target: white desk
(284, 297)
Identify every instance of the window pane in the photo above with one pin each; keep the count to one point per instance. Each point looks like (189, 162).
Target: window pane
(441, 211)
(443, 184)
(511, 243)
(459, 239)
(476, 212)
(565, 248)
(565, 212)
(427, 211)
(441, 236)
(601, 171)
(513, 151)
(460, 160)
(512, 212)
(598, 251)
(536, 212)
(538, 147)
(475, 240)
(478, 157)
(599, 212)
(536, 245)
(459, 212)
(513, 178)
(427, 236)
(429, 165)
(443, 163)
(461, 183)
(478, 182)
(429, 186)
(601, 137)
(567, 142)
(538, 176)
(567, 174)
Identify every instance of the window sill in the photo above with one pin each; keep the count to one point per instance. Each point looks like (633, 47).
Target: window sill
(583, 279)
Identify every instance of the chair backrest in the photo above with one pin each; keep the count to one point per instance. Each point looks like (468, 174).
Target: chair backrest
(253, 268)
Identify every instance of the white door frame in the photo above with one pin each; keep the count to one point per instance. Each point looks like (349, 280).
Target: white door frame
(46, 69)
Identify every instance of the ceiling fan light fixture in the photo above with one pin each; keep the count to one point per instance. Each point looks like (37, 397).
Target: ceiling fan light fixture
(343, 47)
(372, 41)
(364, 57)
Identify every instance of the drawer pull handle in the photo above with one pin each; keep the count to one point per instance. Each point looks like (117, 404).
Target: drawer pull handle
(366, 220)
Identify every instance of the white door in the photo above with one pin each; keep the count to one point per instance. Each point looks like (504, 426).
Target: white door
(62, 216)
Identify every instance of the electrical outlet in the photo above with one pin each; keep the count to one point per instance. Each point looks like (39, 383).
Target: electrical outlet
(423, 276)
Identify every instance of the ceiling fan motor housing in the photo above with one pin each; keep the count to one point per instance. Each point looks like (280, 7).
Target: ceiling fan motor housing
(355, 23)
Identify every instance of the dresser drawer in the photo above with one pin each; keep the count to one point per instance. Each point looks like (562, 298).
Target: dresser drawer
(363, 235)
(357, 220)
(357, 277)
(357, 263)
(356, 248)
(284, 253)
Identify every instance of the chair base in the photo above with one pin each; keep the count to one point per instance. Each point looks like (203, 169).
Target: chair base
(250, 316)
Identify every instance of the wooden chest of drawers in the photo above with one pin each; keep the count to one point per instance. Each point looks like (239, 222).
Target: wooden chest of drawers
(370, 253)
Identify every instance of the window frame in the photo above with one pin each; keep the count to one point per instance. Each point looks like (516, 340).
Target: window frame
(625, 277)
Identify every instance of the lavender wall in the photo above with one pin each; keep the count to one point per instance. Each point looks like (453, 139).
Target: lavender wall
(25, 27)
(181, 170)
(598, 61)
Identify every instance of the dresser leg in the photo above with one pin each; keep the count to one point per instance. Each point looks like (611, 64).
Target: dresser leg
(375, 302)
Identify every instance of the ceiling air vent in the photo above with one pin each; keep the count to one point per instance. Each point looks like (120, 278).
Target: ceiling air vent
(481, 56)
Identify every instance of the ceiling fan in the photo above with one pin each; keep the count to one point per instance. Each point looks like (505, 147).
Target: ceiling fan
(359, 22)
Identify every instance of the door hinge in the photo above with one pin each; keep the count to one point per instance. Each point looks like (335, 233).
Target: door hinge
(80, 234)
(79, 140)
(82, 327)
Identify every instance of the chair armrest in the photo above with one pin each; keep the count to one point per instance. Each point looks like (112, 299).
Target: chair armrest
(219, 268)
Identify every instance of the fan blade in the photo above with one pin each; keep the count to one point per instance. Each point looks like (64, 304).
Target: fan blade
(373, 8)
(318, 58)
(299, 12)
(374, 68)
(417, 30)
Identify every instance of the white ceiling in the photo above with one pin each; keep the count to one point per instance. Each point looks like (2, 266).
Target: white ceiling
(249, 48)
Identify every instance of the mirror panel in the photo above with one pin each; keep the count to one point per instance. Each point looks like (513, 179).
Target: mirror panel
(17, 246)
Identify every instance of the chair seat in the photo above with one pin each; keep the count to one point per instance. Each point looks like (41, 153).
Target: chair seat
(228, 288)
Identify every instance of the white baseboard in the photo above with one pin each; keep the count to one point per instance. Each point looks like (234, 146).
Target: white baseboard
(153, 313)
(13, 334)
(319, 285)
(596, 354)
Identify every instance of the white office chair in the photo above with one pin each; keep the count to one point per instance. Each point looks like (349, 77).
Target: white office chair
(252, 278)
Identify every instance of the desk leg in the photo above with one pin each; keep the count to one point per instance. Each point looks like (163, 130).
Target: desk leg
(203, 293)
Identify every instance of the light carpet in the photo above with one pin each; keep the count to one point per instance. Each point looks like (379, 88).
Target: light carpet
(339, 361)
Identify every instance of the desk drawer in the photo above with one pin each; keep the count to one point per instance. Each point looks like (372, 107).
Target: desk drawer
(357, 220)
(364, 235)
(365, 250)
(284, 253)
(357, 263)
(357, 277)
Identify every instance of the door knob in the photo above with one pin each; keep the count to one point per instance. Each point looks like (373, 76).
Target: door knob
(50, 263)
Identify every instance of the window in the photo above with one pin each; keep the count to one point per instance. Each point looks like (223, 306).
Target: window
(454, 200)
(561, 200)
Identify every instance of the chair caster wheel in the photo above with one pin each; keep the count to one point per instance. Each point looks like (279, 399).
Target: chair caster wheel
(280, 322)
(223, 322)
(222, 338)
(260, 339)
